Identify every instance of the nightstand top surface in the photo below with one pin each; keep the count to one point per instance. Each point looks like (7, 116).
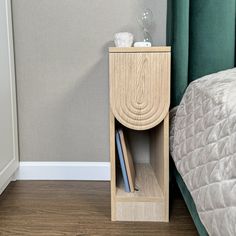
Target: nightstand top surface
(137, 49)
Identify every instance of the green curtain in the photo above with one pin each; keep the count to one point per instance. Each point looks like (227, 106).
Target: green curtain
(202, 36)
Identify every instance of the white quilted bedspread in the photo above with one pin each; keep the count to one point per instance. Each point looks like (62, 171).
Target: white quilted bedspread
(203, 146)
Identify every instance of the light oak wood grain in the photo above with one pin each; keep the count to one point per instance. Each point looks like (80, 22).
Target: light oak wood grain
(139, 211)
(113, 166)
(159, 148)
(147, 184)
(141, 49)
(139, 99)
(140, 88)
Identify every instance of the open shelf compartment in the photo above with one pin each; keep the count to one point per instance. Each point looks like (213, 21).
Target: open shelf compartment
(147, 187)
(150, 201)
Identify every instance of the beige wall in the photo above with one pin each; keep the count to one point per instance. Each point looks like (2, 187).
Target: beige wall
(62, 73)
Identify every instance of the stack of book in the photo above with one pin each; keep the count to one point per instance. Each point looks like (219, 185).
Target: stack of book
(126, 161)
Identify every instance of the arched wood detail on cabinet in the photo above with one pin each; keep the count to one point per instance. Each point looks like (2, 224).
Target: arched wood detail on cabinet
(140, 87)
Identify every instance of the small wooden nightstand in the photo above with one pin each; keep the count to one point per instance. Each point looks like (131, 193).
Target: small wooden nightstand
(139, 100)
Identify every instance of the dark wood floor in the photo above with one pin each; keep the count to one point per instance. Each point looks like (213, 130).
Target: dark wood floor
(51, 208)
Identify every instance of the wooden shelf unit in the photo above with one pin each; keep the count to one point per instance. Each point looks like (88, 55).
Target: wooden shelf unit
(139, 100)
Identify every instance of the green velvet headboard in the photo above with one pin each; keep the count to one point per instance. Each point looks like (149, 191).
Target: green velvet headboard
(202, 36)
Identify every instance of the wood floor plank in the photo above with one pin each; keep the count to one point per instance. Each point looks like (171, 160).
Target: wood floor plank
(76, 208)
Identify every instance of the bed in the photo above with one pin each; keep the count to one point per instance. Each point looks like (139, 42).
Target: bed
(202, 144)
(203, 147)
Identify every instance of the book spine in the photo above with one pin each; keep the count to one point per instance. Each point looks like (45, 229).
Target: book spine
(122, 163)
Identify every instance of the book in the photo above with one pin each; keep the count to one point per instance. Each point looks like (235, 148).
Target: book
(122, 162)
(129, 164)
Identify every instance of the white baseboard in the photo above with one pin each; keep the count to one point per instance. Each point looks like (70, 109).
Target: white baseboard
(64, 171)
